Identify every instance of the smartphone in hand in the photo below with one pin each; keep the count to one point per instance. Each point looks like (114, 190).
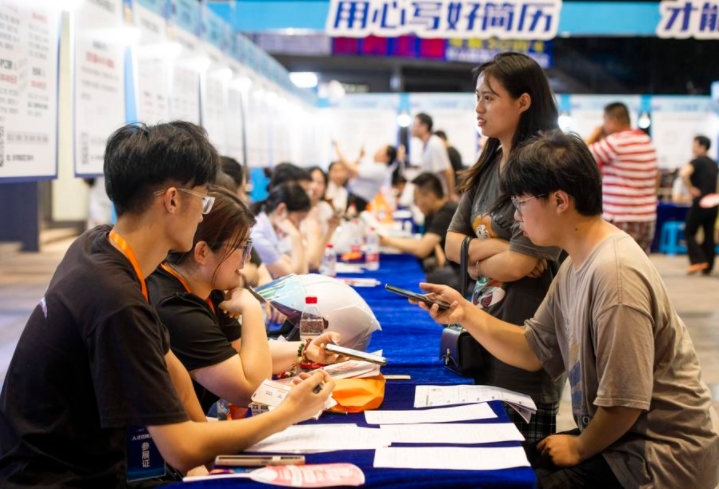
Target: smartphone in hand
(443, 306)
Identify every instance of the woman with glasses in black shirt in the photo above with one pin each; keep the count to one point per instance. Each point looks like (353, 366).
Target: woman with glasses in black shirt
(191, 291)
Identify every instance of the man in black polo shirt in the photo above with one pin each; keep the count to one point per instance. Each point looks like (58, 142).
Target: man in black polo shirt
(438, 211)
(94, 361)
(700, 177)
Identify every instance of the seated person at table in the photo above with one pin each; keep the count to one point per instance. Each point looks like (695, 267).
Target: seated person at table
(645, 417)
(438, 211)
(289, 173)
(189, 292)
(94, 358)
(276, 235)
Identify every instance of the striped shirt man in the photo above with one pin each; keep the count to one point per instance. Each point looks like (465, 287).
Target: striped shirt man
(628, 163)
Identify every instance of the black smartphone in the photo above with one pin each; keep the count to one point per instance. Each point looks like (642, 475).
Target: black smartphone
(355, 354)
(414, 295)
(258, 460)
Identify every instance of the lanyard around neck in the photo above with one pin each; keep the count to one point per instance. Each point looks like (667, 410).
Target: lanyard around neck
(166, 267)
(130, 255)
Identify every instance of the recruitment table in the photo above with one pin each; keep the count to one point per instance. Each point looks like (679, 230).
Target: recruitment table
(410, 341)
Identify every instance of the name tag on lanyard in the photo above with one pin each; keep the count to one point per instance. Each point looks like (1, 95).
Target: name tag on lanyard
(143, 459)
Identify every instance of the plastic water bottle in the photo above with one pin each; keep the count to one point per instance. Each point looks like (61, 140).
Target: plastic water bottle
(311, 323)
(372, 250)
(329, 262)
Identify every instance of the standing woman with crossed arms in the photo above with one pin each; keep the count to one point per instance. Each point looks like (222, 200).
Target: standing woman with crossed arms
(514, 103)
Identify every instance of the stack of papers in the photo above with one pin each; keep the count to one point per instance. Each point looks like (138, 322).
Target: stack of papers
(452, 434)
(451, 458)
(322, 438)
(435, 395)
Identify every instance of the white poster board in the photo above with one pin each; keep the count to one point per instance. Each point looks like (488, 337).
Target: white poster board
(366, 121)
(185, 78)
(236, 104)
(214, 108)
(455, 115)
(28, 91)
(154, 55)
(257, 129)
(587, 111)
(676, 121)
(99, 81)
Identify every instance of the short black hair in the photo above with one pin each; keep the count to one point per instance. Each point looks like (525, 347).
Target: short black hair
(233, 168)
(428, 182)
(703, 141)
(391, 153)
(441, 134)
(291, 194)
(425, 119)
(618, 111)
(287, 173)
(555, 161)
(141, 159)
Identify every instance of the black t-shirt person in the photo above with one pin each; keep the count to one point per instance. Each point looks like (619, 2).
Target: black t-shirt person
(438, 223)
(200, 335)
(89, 363)
(704, 176)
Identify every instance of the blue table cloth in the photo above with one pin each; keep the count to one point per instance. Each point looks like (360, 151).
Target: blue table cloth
(410, 341)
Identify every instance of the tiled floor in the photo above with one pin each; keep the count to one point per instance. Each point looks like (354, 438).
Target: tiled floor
(24, 277)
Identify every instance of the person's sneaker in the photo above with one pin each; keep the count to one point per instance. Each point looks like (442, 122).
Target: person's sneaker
(697, 267)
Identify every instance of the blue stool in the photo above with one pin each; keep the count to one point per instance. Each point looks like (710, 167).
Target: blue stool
(672, 239)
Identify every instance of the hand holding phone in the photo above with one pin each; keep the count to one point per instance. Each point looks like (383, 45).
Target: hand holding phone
(443, 306)
(355, 354)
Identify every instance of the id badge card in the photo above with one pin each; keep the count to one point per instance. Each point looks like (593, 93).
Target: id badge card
(142, 457)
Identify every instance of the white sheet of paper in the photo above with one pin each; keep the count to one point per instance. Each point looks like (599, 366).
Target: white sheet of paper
(322, 438)
(441, 395)
(455, 434)
(445, 395)
(441, 415)
(450, 458)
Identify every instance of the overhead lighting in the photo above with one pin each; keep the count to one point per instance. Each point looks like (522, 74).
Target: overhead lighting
(304, 79)
(242, 83)
(644, 121)
(404, 119)
(564, 122)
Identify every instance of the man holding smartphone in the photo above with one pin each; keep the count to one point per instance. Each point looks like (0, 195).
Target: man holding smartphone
(644, 416)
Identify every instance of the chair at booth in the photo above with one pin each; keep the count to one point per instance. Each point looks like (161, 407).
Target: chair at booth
(672, 238)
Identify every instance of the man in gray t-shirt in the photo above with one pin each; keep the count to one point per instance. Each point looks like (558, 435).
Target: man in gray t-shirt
(644, 416)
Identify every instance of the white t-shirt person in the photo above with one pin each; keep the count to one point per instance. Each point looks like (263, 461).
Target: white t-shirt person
(435, 159)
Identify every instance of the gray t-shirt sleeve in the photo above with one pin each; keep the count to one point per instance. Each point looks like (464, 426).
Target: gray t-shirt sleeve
(542, 337)
(624, 343)
(522, 244)
(462, 220)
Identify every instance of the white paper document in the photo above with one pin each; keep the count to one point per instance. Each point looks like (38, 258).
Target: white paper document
(445, 395)
(322, 438)
(441, 415)
(450, 458)
(454, 434)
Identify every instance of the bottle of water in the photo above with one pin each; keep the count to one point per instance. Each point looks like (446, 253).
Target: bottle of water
(329, 262)
(372, 250)
(311, 323)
